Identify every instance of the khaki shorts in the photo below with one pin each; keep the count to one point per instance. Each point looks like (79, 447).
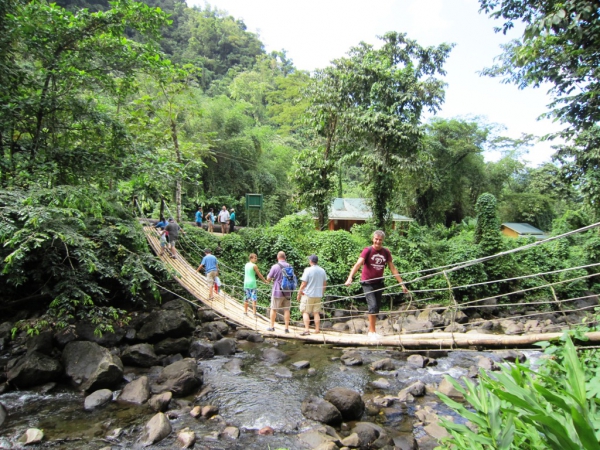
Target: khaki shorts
(280, 303)
(210, 277)
(310, 304)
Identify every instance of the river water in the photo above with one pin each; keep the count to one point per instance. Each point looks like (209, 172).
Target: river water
(249, 392)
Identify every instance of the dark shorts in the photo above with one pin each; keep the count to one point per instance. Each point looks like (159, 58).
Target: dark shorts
(373, 293)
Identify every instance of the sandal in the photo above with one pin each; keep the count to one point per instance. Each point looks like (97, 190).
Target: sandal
(306, 333)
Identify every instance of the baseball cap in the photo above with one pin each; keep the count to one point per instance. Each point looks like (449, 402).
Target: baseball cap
(313, 259)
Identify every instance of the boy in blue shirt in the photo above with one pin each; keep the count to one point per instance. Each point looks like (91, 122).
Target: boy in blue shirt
(211, 268)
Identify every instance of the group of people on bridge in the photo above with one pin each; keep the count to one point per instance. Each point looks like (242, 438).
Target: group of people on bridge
(313, 283)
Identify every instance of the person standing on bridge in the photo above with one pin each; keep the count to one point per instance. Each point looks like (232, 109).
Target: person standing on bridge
(251, 271)
(211, 268)
(210, 220)
(374, 259)
(280, 299)
(173, 229)
(310, 293)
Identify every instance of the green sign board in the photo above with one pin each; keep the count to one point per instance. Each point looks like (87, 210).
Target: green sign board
(254, 201)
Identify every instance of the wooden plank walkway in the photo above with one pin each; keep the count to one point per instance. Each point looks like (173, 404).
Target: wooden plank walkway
(233, 309)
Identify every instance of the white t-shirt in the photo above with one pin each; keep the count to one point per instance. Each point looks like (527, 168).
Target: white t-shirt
(314, 276)
(223, 216)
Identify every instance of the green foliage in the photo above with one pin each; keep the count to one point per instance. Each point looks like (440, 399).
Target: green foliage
(554, 407)
(76, 248)
(487, 233)
(559, 47)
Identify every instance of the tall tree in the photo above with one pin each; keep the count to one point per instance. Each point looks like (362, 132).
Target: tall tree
(69, 74)
(559, 46)
(387, 90)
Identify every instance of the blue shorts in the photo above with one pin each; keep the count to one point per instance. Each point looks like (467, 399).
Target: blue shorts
(250, 294)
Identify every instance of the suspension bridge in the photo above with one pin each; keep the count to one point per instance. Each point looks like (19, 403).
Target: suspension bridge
(230, 306)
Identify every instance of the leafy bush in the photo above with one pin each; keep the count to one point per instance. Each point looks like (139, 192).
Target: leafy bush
(554, 408)
(78, 250)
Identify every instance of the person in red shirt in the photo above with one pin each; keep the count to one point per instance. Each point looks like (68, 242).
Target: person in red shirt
(373, 260)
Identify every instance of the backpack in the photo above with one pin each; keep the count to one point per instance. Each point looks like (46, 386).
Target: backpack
(289, 280)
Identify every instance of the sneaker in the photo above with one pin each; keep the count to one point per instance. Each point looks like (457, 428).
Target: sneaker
(373, 336)
(270, 329)
(287, 331)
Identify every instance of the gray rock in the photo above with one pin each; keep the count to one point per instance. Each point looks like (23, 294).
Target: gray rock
(357, 326)
(273, 355)
(160, 402)
(201, 350)
(348, 402)
(455, 328)
(511, 356)
(381, 383)
(6, 330)
(34, 369)
(186, 438)
(32, 436)
(417, 361)
(91, 367)
(445, 387)
(138, 391)
(97, 399)
(3, 415)
(256, 338)
(41, 343)
(416, 389)
(176, 319)
(383, 364)
(156, 430)
(225, 346)
(340, 327)
(139, 355)
(234, 366)
(352, 358)
(316, 408)
(411, 325)
(207, 315)
(181, 378)
(318, 440)
(231, 432)
(451, 316)
(218, 327)
(283, 372)
(301, 365)
(86, 332)
(64, 336)
(172, 346)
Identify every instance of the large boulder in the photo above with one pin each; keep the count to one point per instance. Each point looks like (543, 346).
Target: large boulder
(181, 378)
(138, 391)
(201, 350)
(175, 319)
(352, 358)
(225, 346)
(97, 399)
(348, 402)
(273, 355)
(91, 367)
(34, 369)
(172, 346)
(357, 326)
(139, 355)
(86, 332)
(156, 430)
(371, 436)
(41, 343)
(316, 408)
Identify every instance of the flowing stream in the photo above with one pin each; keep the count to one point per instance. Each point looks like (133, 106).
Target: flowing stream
(249, 392)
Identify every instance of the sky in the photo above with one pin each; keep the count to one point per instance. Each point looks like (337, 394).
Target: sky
(314, 32)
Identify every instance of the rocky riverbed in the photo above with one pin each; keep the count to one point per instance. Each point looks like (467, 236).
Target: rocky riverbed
(178, 377)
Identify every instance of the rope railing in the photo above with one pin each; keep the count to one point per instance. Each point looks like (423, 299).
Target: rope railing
(191, 250)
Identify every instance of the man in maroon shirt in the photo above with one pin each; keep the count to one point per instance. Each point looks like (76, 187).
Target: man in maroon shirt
(373, 259)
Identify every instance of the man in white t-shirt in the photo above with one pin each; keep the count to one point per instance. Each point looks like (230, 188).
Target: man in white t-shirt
(224, 219)
(310, 294)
